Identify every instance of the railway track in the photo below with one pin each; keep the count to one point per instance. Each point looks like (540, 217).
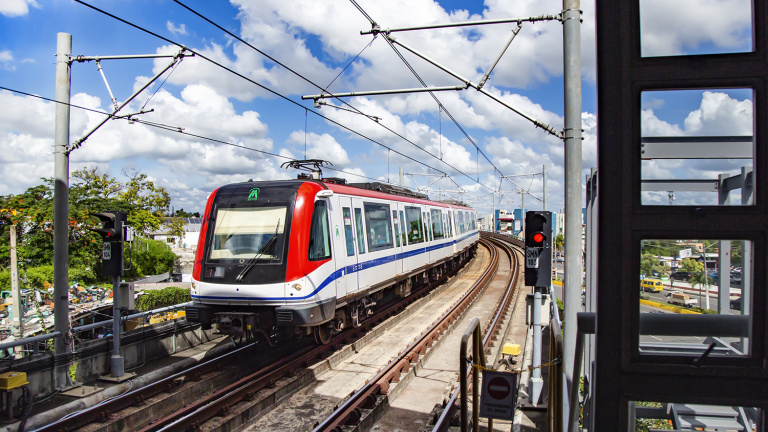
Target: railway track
(239, 397)
(373, 394)
(138, 409)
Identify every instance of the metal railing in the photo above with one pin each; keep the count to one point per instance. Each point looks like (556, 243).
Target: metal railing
(478, 357)
(555, 388)
(36, 340)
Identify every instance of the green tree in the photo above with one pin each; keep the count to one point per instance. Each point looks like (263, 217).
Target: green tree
(91, 191)
(175, 227)
(650, 263)
(691, 265)
(559, 242)
(182, 214)
(147, 201)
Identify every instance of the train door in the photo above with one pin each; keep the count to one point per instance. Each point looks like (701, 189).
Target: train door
(347, 256)
(360, 243)
(396, 223)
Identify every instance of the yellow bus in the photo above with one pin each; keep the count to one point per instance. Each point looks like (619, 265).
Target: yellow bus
(652, 285)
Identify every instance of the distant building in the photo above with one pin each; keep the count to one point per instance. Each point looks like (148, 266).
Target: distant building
(192, 228)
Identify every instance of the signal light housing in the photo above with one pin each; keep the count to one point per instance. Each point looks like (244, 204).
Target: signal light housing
(112, 236)
(538, 248)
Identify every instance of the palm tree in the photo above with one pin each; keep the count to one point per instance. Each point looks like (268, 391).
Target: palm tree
(559, 243)
(702, 279)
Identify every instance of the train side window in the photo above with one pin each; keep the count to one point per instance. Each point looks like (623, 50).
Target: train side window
(460, 221)
(360, 231)
(413, 220)
(450, 223)
(319, 236)
(437, 223)
(379, 226)
(349, 235)
(397, 228)
(403, 235)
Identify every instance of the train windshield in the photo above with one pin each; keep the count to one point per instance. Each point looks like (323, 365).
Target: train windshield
(251, 233)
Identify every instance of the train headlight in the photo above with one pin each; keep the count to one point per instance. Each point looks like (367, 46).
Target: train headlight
(297, 287)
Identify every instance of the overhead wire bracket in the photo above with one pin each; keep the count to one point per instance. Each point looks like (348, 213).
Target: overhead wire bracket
(175, 58)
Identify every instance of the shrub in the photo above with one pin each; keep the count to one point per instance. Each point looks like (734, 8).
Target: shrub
(155, 299)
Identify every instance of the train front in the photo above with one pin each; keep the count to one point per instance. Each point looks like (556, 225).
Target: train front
(248, 258)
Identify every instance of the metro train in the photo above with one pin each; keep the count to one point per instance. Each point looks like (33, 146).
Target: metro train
(278, 259)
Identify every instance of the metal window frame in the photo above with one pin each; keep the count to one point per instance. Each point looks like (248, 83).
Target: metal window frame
(621, 375)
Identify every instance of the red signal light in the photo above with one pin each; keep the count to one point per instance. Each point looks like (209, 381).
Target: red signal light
(538, 237)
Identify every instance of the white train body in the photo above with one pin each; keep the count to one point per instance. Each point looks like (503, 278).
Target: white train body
(306, 253)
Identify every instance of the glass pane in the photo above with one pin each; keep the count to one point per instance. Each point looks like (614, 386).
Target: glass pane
(651, 416)
(415, 228)
(319, 237)
(379, 226)
(402, 227)
(686, 305)
(697, 147)
(691, 27)
(245, 233)
(397, 230)
(348, 233)
(437, 225)
(360, 231)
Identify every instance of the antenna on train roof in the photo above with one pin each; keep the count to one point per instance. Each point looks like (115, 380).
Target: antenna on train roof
(313, 166)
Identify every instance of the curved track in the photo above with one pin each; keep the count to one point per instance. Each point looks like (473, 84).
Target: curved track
(221, 403)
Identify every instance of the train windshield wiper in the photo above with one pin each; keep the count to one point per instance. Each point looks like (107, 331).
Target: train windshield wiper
(252, 261)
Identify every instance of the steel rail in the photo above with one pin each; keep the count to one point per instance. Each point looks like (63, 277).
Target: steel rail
(350, 411)
(220, 402)
(443, 422)
(104, 409)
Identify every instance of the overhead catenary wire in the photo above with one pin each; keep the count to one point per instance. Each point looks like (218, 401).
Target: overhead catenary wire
(178, 130)
(343, 102)
(440, 104)
(318, 86)
(253, 82)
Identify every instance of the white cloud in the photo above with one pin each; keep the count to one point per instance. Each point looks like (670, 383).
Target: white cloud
(16, 8)
(323, 147)
(6, 59)
(720, 115)
(682, 26)
(181, 29)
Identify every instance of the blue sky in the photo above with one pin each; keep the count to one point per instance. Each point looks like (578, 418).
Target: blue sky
(318, 40)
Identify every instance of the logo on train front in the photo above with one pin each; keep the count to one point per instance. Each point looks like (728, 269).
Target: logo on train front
(253, 195)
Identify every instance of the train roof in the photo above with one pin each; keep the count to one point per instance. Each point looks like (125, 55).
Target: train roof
(390, 192)
(372, 190)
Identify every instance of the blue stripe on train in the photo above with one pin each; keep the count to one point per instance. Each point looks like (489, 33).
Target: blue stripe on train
(347, 270)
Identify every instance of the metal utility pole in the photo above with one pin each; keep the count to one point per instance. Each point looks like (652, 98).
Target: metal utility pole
(61, 204)
(401, 177)
(544, 185)
(572, 138)
(18, 310)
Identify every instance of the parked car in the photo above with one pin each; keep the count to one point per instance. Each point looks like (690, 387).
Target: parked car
(681, 275)
(715, 276)
(735, 278)
(560, 259)
(736, 303)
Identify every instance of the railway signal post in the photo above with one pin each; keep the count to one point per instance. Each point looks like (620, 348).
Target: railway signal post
(112, 265)
(538, 274)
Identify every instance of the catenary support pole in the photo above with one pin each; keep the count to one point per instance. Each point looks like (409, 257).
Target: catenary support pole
(544, 185)
(536, 382)
(18, 308)
(61, 204)
(572, 137)
(117, 362)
